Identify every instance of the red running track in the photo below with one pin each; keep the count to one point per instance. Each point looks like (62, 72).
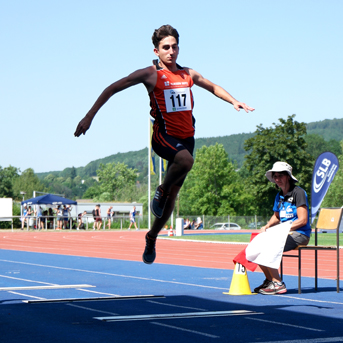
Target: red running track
(129, 245)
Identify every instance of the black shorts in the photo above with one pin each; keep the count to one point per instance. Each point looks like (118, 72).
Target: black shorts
(294, 239)
(167, 147)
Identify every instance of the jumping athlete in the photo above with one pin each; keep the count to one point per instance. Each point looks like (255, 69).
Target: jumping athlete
(171, 100)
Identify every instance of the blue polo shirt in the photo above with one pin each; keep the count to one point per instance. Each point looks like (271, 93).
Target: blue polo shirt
(286, 206)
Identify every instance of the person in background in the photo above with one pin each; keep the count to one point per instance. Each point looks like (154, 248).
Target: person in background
(65, 211)
(109, 217)
(199, 225)
(39, 219)
(133, 218)
(98, 220)
(59, 217)
(29, 213)
(80, 224)
(187, 224)
(44, 219)
(24, 217)
(50, 218)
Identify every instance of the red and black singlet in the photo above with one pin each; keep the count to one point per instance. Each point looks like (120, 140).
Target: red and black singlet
(172, 103)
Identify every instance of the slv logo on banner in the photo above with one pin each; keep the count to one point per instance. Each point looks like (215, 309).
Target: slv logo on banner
(324, 171)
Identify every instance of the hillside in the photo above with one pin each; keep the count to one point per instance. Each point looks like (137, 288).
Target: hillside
(328, 129)
(233, 145)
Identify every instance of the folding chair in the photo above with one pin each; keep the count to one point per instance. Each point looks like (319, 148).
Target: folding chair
(328, 219)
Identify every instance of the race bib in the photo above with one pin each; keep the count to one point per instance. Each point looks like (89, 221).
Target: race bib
(178, 99)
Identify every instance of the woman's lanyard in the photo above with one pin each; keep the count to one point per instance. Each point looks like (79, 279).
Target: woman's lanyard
(281, 207)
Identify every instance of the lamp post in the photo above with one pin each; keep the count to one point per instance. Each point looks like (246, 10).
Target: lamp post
(23, 194)
(178, 204)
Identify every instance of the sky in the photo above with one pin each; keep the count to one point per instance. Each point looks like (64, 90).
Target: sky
(280, 57)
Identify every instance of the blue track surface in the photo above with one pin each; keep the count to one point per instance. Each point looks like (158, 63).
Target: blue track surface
(187, 291)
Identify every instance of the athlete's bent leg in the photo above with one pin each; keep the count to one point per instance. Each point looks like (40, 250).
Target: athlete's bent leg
(149, 254)
(160, 222)
(177, 171)
(182, 164)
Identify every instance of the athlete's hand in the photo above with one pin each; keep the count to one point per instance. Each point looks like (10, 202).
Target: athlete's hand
(83, 126)
(238, 105)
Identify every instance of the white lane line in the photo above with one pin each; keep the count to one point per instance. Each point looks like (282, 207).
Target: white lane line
(30, 288)
(285, 324)
(27, 280)
(171, 305)
(92, 309)
(186, 330)
(26, 295)
(47, 285)
(177, 315)
(117, 275)
(109, 294)
(67, 300)
(201, 241)
(313, 300)
(310, 340)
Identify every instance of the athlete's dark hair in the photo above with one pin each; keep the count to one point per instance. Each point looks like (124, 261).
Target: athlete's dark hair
(163, 32)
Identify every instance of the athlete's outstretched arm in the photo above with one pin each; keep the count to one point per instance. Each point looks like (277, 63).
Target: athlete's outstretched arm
(218, 91)
(144, 76)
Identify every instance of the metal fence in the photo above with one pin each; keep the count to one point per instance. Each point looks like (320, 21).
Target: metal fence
(243, 222)
(123, 222)
(72, 223)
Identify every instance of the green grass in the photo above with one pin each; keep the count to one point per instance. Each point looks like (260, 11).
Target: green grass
(323, 238)
(327, 239)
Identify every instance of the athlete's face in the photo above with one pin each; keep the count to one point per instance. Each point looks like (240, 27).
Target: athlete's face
(168, 50)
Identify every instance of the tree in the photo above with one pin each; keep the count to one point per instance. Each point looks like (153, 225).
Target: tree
(69, 172)
(28, 182)
(91, 192)
(283, 142)
(212, 187)
(50, 178)
(73, 173)
(334, 196)
(317, 145)
(115, 178)
(7, 177)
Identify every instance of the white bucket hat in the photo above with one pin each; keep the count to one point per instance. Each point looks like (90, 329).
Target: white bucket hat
(280, 167)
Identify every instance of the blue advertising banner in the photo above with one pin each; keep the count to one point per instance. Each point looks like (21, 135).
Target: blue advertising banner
(324, 171)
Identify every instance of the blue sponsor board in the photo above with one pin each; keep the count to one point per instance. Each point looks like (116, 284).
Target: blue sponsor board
(324, 171)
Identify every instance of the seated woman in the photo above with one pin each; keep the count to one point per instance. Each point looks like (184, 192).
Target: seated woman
(187, 225)
(199, 225)
(290, 204)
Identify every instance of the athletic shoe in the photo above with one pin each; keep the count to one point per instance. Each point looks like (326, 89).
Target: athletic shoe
(158, 203)
(149, 254)
(264, 285)
(274, 288)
